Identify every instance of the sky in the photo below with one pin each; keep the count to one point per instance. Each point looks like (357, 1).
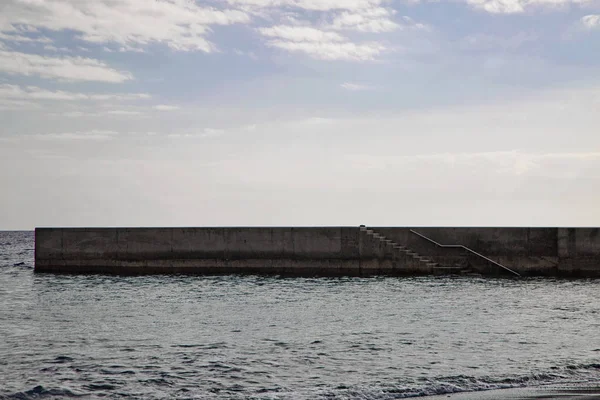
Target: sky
(299, 112)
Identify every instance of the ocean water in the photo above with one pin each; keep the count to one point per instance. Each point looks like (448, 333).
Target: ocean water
(253, 337)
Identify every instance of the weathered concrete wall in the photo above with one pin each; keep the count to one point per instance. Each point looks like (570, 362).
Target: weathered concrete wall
(332, 250)
(318, 251)
(578, 251)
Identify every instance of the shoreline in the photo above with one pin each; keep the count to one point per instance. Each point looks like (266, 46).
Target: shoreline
(551, 391)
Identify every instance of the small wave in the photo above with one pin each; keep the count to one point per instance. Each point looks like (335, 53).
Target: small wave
(464, 383)
(100, 386)
(585, 366)
(40, 392)
(111, 372)
(217, 345)
(62, 360)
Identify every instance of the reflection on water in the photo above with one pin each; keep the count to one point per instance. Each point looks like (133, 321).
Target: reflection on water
(266, 337)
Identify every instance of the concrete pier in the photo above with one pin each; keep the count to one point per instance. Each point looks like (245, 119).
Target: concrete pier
(320, 251)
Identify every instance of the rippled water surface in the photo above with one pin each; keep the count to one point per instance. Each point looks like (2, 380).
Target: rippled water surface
(274, 338)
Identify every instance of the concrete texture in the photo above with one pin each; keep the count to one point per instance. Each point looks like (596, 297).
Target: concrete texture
(323, 251)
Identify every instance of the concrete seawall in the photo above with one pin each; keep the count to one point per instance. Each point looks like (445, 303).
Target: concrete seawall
(321, 251)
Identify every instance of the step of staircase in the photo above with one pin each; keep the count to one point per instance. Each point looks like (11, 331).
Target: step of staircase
(396, 251)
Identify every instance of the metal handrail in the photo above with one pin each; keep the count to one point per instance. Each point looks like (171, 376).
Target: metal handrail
(460, 246)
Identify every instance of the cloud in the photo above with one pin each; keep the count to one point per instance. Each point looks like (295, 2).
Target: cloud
(91, 135)
(52, 48)
(300, 34)
(346, 51)
(520, 6)
(12, 37)
(485, 42)
(10, 104)
(249, 54)
(96, 135)
(313, 5)
(84, 114)
(211, 132)
(320, 44)
(376, 20)
(164, 107)
(180, 24)
(206, 133)
(9, 91)
(315, 121)
(512, 162)
(123, 112)
(62, 68)
(354, 87)
(318, 36)
(591, 21)
(77, 114)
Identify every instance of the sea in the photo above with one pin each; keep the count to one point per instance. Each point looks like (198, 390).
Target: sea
(260, 337)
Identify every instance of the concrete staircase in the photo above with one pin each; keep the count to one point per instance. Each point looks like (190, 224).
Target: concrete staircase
(404, 259)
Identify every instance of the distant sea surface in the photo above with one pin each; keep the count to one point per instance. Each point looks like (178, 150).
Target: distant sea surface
(253, 337)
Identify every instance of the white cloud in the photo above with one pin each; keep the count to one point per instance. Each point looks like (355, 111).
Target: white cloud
(354, 87)
(249, 54)
(591, 21)
(77, 114)
(346, 51)
(320, 44)
(206, 133)
(520, 6)
(123, 112)
(86, 114)
(511, 162)
(376, 20)
(211, 132)
(52, 48)
(318, 34)
(165, 107)
(314, 121)
(96, 134)
(63, 68)
(11, 104)
(498, 6)
(180, 24)
(485, 42)
(300, 34)
(12, 37)
(9, 91)
(315, 5)
(119, 96)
